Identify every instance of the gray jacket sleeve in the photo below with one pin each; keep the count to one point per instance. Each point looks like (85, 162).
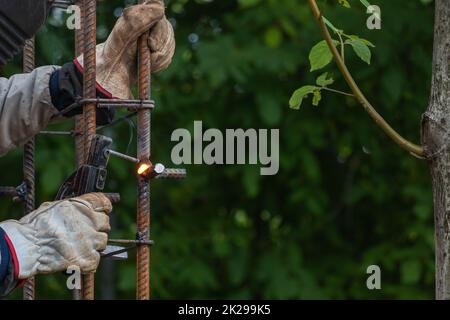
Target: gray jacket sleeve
(25, 107)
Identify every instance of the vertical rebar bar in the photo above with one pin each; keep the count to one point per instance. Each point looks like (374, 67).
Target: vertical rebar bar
(79, 120)
(143, 186)
(29, 162)
(89, 81)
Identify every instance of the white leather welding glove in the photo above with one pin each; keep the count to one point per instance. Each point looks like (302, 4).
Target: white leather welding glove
(161, 42)
(117, 57)
(58, 235)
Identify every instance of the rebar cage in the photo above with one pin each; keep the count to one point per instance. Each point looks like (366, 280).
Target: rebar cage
(84, 131)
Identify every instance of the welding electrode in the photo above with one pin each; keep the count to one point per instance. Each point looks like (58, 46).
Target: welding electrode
(145, 168)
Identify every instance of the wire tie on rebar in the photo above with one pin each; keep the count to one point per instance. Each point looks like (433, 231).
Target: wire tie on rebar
(22, 190)
(141, 238)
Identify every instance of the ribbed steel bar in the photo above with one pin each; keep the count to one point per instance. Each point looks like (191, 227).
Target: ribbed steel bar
(123, 103)
(61, 133)
(143, 185)
(89, 110)
(79, 120)
(8, 192)
(172, 174)
(136, 242)
(29, 162)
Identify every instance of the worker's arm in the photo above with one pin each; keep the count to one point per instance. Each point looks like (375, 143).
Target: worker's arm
(53, 238)
(64, 233)
(25, 107)
(28, 102)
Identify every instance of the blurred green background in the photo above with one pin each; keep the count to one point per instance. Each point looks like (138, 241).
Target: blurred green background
(345, 196)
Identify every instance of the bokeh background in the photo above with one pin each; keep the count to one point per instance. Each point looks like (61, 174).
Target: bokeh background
(345, 196)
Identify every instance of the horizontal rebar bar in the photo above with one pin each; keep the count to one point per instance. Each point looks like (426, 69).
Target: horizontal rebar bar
(137, 242)
(8, 192)
(172, 174)
(60, 133)
(120, 103)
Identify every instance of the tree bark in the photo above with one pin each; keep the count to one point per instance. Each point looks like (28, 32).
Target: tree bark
(436, 142)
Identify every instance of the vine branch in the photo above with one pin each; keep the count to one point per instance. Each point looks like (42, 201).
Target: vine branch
(414, 149)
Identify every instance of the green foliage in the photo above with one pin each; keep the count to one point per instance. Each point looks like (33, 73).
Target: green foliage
(361, 49)
(324, 80)
(344, 3)
(320, 55)
(345, 197)
(299, 95)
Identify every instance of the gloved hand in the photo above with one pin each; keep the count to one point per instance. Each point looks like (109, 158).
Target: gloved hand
(66, 85)
(60, 234)
(117, 57)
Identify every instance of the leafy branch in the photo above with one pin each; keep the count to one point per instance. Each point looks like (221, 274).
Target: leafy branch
(324, 52)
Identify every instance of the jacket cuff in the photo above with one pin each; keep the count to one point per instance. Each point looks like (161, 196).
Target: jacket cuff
(5, 256)
(13, 256)
(8, 281)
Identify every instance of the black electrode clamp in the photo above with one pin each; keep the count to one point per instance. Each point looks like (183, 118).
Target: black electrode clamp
(91, 176)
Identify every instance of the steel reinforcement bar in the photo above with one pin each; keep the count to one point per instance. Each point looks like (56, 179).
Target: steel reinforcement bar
(143, 185)
(29, 163)
(89, 29)
(84, 131)
(79, 120)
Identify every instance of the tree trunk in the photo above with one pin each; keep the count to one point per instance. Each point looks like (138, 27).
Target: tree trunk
(436, 142)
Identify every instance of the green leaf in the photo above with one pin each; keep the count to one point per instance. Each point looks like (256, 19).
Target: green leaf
(367, 42)
(297, 97)
(365, 3)
(320, 55)
(361, 50)
(344, 3)
(324, 80)
(317, 97)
